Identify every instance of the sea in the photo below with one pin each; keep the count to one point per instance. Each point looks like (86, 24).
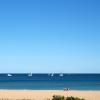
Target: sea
(49, 81)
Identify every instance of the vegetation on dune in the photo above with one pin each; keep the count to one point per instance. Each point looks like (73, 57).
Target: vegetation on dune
(58, 97)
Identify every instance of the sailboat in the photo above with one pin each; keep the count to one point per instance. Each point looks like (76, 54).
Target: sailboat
(30, 74)
(52, 74)
(9, 75)
(61, 74)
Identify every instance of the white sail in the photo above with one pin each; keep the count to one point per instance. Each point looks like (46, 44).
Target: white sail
(30, 74)
(61, 74)
(52, 74)
(9, 75)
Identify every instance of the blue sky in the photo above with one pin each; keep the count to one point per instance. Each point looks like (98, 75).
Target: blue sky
(50, 36)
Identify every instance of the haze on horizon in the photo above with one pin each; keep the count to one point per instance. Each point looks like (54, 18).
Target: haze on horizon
(50, 36)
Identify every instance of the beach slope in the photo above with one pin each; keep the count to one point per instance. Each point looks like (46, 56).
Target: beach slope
(44, 94)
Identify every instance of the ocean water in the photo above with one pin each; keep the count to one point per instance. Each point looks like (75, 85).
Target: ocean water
(50, 81)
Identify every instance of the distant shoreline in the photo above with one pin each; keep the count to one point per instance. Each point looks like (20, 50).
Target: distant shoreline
(45, 73)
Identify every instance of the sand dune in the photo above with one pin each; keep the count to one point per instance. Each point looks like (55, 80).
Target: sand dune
(44, 94)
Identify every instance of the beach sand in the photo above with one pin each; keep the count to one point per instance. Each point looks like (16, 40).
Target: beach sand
(44, 94)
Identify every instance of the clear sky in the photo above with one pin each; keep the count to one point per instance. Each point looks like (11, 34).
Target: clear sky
(50, 36)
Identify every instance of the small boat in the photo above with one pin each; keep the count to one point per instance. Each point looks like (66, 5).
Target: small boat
(9, 75)
(30, 74)
(61, 74)
(52, 74)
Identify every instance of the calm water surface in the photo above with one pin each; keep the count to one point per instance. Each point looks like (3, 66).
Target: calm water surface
(50, 81)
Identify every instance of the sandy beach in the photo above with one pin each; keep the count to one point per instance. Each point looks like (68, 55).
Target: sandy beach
(44, 94)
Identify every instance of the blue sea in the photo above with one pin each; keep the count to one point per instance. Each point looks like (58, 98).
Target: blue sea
(56, 81)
